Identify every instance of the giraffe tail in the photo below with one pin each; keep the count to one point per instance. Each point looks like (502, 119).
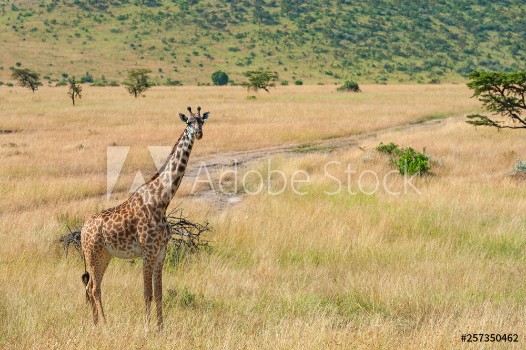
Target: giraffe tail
(85, 280)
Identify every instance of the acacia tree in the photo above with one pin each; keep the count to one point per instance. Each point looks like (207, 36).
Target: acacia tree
(260, 79)
(501, 94)
(75, 89)
(27, 78)
(137, 81)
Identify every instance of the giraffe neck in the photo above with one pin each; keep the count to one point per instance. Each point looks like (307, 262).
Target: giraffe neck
(159, 191)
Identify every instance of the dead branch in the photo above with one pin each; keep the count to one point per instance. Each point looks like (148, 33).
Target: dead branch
(187, 235)
(71, 238)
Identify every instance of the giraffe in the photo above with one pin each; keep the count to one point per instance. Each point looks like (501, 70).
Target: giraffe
(137, 227)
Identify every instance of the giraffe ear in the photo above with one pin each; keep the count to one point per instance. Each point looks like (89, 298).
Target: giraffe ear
(206, 115)
(183, 117)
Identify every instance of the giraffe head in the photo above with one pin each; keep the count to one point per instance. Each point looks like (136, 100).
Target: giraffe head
(195, 121)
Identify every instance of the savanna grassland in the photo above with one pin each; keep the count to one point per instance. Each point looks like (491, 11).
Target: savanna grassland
(411, 270)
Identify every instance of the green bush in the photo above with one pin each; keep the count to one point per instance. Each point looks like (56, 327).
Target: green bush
(412, 162)
(520, 167)
(406, 160)
(219, 78)
(284, 83)
(298, 82)
(389, 149)
(170, 82)
(350, 85)
(87, 78)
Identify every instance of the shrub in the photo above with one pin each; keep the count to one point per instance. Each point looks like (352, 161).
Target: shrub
(389, 149)
(170, 82)
(350, 85)
(406, 160)
(412, 162)
(298, 82)
(87, 78)
(103, 82)
(219, 78)
(284, 83)
(520, 167)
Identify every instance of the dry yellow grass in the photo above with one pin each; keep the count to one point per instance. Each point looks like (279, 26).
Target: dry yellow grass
(287, 272)
(65, 146)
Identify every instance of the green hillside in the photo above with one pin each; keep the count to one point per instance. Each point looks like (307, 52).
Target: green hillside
(317, 41)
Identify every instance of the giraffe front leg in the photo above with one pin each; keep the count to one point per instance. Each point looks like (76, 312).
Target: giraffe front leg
(147, 272)
(158, 287)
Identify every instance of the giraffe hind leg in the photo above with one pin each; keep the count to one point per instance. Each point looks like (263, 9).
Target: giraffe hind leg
(97, 267)
(89, 292)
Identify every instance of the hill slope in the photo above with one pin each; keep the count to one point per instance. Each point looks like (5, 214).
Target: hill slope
(315, 41)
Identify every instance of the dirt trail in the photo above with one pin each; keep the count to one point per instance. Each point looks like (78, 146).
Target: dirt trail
(228, 160)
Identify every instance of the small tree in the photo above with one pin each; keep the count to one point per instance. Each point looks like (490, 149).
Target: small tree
(75, 89)
(260, 79)
(27, 78)
(350, 85)
(502, 94)
(137, 81)
(219, 78)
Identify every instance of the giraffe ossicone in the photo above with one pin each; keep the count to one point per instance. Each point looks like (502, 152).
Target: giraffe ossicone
(138, 227)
